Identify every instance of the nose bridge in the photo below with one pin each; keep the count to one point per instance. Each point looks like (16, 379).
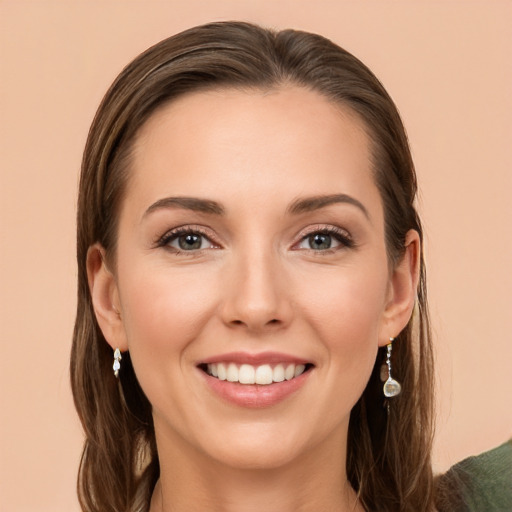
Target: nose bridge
(256, 296)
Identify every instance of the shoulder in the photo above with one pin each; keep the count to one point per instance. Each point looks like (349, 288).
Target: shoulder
(478, 484)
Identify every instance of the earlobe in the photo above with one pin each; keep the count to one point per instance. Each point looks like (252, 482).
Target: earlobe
(403, 289)
(105, 298)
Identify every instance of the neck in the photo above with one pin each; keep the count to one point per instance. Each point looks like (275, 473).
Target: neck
(315, 482)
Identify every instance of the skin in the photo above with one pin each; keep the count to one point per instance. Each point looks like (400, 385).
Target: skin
(257, 284)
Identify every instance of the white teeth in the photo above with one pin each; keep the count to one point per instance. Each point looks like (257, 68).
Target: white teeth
(232, 373)
(248, 374)
(299, 369)
(278, 373)
(221, 371)
(263, 374)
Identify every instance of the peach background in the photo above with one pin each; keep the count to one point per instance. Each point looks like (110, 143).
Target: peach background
(447, 64)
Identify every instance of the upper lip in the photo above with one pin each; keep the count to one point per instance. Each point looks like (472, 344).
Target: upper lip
(255, 359)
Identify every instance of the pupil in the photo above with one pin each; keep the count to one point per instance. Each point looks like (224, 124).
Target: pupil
(320, 241)
(188, 242)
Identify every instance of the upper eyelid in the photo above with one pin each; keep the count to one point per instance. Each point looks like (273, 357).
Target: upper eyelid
(187, 228)
(336, 231)
(319, 228)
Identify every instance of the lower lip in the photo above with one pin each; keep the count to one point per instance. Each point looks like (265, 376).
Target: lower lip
(255, 395)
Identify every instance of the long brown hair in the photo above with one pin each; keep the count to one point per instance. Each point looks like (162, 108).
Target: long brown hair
(388, 461)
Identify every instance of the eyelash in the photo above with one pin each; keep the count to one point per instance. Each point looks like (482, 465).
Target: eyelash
(340, 235)
(173, 234)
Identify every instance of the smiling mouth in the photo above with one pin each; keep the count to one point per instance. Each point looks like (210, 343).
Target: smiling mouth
(264, 374)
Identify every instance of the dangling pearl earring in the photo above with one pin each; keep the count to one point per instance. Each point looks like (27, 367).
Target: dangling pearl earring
(117, 365)
(391, 386)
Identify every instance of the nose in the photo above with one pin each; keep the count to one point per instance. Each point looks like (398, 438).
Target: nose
(256, 293)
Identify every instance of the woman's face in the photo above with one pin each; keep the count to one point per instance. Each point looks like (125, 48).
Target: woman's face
(251, 247)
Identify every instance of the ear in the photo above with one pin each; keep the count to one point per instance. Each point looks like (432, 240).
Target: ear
(105, 298)
(402, 290)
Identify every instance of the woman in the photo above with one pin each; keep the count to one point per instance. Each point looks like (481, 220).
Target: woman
(249, 263)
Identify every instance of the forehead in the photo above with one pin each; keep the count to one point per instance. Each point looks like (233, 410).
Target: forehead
(258, 145)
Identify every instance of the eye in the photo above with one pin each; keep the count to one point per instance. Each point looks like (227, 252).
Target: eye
(318, 241)
(189, 242)
(186, 240)
(325, 240)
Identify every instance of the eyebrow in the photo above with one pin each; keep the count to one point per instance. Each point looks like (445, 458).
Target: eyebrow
(301, 205)
(188, 203)
(309, 204)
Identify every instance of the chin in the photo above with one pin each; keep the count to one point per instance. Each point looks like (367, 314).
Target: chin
(268, 446)
(272, 455)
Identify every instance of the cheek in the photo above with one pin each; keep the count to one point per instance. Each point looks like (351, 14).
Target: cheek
(345, 309)
(348, 301)
(164, 311)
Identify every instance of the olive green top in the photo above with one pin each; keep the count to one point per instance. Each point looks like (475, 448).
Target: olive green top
(479, 484)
